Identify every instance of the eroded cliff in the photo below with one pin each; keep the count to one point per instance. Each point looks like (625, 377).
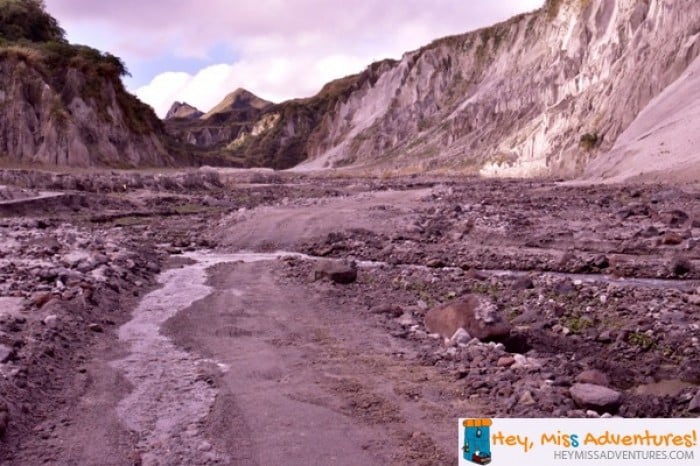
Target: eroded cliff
(540, 94)
(63, 104)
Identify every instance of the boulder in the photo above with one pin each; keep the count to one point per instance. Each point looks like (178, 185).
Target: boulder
(337, 271)
(596, 397)
(475, 314)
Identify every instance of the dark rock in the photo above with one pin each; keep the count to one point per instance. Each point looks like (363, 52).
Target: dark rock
(565, 288)
(523, 283)
(681, 266)
(97, 328)
(595, 397)
(649, 232)
(675, 218)
(4, 419)
(601, 262)
(337, 271)
(5, 353)
(436, 263)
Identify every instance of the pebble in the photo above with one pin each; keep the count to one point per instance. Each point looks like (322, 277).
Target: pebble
(97, 328)
(526, 399)
(51, 321)
(505, 361)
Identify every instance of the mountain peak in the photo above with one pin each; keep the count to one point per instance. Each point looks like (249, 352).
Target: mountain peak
(183, 110)
(240, 99)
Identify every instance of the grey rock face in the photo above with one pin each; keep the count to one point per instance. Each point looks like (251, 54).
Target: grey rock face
(542, 93)
(42, 122)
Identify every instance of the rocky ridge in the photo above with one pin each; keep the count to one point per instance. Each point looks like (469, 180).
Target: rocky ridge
(234, 115)
(540, 94)
(183, 110)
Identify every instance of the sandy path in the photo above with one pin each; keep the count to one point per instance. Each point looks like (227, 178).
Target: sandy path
(303, 384)
(284, 226)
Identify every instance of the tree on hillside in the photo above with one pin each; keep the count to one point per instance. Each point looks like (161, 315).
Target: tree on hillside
(28, 20)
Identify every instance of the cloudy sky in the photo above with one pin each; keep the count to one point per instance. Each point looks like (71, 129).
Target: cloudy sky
(198, 51)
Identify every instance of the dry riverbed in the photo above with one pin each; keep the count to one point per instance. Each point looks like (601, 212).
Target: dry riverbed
(185, 319)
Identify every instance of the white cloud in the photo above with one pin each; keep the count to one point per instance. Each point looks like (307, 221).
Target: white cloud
(283, 49)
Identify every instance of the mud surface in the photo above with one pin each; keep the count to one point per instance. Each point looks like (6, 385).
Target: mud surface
(152, 319)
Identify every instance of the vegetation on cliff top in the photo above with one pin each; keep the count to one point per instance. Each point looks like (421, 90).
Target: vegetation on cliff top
(29, 34)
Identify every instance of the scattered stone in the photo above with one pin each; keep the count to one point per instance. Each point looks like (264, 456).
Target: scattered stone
(565, 288)
(694, 406)
(681, 266)
(461, 337)
(523, 283)
(97, 328)
(5, 353)
(51, 321)
(605, 337)
(524, 362)
(337, 271)
(596, 397)
(4, 418)
(436, 263)
(152, 267)
(477, 315)
(675, 218)
(39, 299)
(505, 361)
(526, 399)
(649, 232)
(406, 320)
(390, 310)
(593, 376)
(694, 299)
(672, 238)
(601, 262)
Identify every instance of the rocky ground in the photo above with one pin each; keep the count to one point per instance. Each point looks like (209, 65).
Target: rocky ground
(598, 284)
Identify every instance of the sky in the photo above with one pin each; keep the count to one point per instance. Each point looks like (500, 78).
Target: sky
(197, 51)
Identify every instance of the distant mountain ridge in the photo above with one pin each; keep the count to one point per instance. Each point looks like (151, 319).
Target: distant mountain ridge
(236, 113)
(541, 94)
